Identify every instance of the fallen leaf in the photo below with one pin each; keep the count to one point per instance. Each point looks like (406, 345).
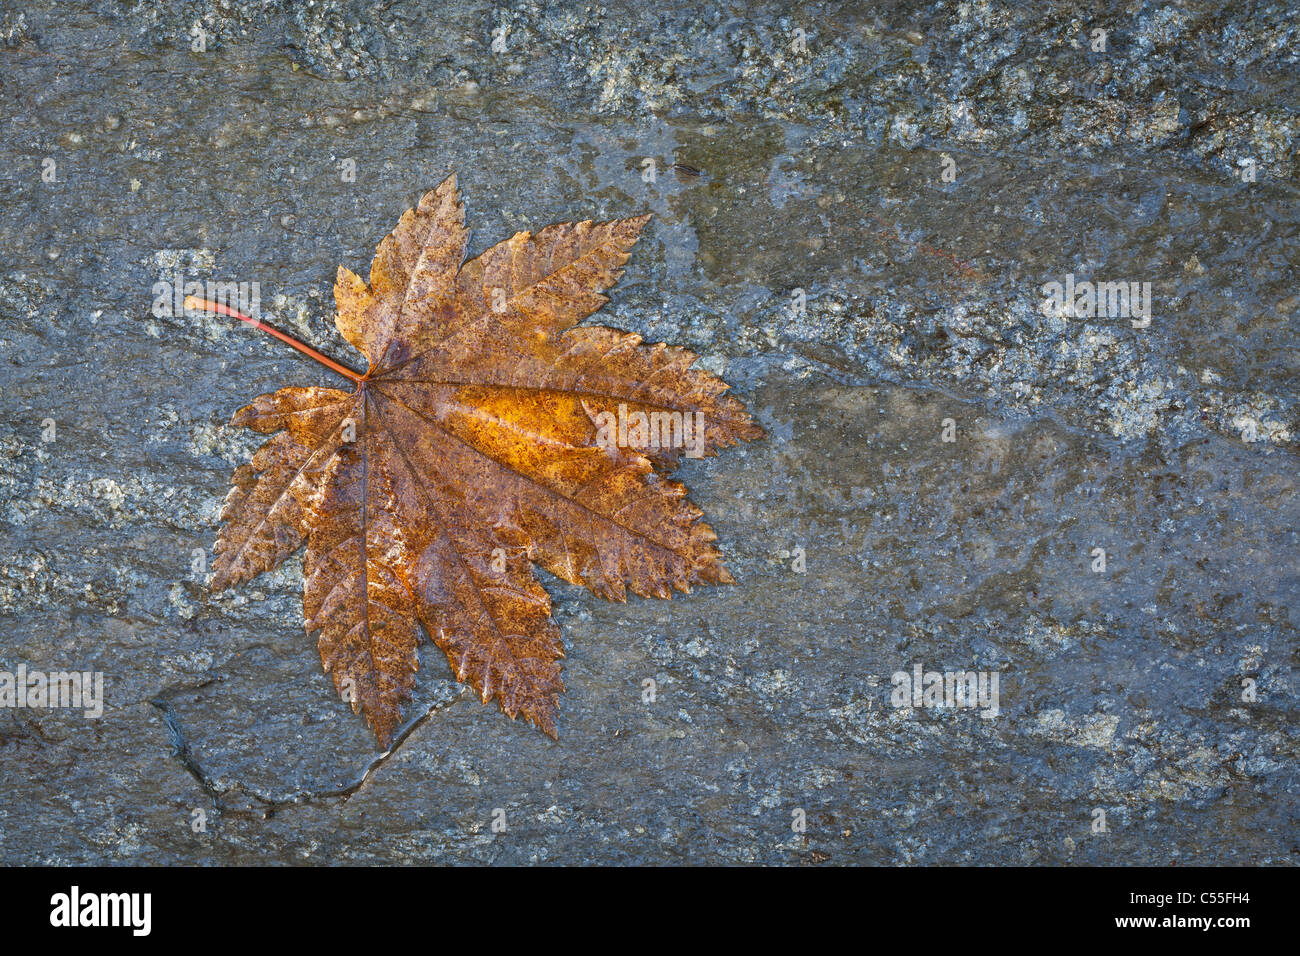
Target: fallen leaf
(489, 434)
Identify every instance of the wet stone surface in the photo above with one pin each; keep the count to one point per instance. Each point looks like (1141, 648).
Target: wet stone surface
(809, 247)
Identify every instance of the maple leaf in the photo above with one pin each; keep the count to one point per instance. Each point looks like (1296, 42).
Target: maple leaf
(474, 447)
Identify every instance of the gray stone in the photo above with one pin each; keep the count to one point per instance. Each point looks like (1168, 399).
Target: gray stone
(798, 149)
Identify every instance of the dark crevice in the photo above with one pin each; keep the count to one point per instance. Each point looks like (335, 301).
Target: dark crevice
(259, 805)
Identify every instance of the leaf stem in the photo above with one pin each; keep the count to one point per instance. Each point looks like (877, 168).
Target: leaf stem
(206, 305)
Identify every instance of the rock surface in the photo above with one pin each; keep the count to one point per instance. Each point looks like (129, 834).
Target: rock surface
(809, 246)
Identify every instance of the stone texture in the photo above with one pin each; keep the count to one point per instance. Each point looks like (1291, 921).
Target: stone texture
(814, 171)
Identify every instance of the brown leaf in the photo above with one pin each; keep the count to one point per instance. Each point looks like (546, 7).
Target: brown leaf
(483, 439)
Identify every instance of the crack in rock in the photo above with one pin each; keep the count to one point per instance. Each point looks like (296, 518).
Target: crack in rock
(268, 806)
